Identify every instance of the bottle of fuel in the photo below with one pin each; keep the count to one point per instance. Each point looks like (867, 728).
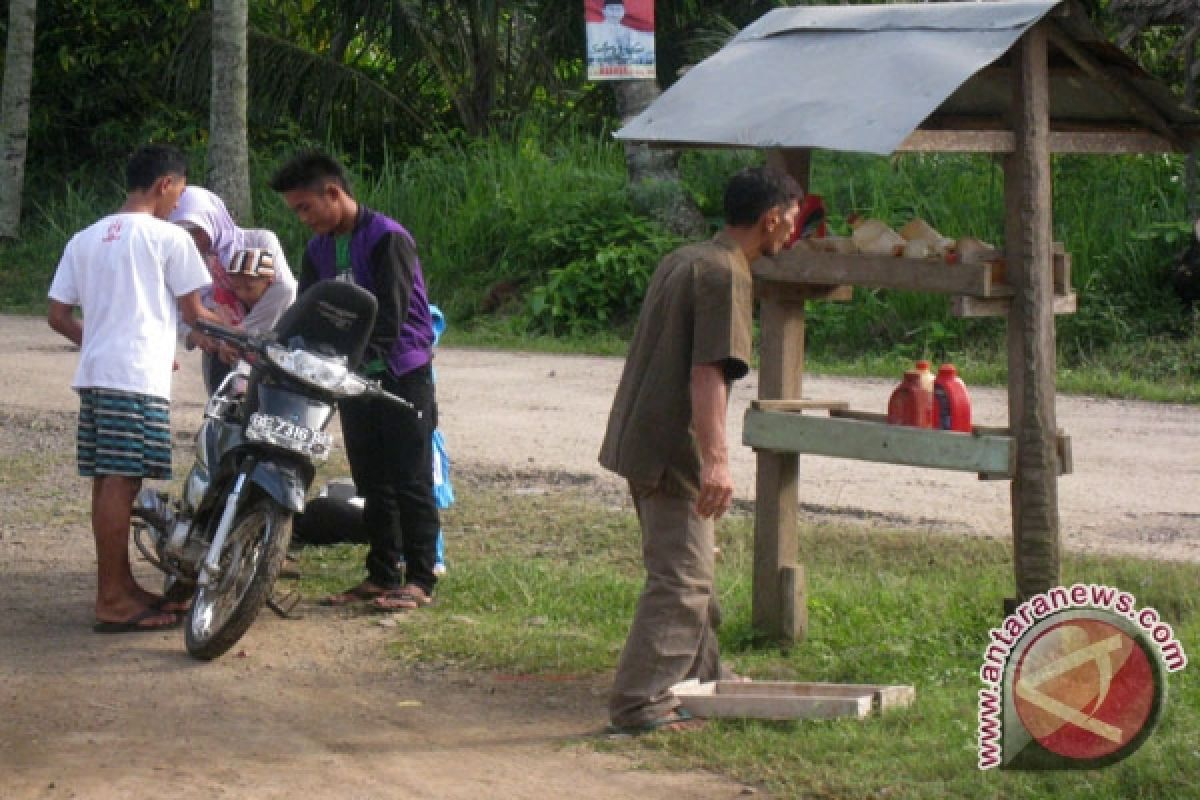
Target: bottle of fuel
(927, 379)
(909, 405)
(952, 404)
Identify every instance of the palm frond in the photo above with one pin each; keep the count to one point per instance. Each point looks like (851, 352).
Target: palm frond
(287, 81)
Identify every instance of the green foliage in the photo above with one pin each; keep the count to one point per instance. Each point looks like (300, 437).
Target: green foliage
(605, 284)
(97, 87)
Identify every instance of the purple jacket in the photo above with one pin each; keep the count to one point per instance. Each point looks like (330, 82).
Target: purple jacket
(383, 260)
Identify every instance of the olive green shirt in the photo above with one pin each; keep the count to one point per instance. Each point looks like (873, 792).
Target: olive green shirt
(698, 310)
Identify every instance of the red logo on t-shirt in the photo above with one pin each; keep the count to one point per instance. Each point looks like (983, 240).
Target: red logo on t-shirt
(114, 231)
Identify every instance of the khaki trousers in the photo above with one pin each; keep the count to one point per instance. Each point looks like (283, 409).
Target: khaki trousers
(673, 635)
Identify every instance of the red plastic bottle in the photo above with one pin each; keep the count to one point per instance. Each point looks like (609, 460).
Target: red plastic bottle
(927, 387)
(952, 404)
(909, 405)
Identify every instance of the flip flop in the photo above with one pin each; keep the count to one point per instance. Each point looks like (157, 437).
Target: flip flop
(134, 623)
(355, 594)
(406, 598)
(678, 720)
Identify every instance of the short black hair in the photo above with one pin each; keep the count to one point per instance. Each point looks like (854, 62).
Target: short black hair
(755, 190)
(151, 162)
(312, 170)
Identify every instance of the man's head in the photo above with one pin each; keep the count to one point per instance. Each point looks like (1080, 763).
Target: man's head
(316, 188)
(157, 175)
(762, 204)
(251, 273)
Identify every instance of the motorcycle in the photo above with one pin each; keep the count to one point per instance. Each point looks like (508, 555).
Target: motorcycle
(222, 542)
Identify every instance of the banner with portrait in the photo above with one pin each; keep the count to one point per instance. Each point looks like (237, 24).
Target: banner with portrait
(620, 39)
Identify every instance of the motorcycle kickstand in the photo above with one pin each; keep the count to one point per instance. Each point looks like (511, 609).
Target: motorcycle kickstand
(284, 604)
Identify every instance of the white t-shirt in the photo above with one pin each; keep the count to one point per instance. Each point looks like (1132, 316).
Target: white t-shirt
(127, 272)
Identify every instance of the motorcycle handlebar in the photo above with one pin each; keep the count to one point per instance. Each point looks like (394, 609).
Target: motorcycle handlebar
(221, 332)
(397, 400)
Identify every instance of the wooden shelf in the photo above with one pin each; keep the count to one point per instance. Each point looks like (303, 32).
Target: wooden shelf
(841, 437)
(866, 436)
(1065, 299)
(965, 306)
(883, 272)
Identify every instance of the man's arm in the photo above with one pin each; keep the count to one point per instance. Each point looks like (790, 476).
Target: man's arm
(193, 310)
(394, 266)
(308, 273)
(710, 400)
(61, 317)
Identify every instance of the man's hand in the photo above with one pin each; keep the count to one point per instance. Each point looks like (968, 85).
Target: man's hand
(716, 491)
(227, 353)
(710, 398)
(197, 339)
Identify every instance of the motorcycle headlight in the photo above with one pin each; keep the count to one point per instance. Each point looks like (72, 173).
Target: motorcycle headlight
(322, 372)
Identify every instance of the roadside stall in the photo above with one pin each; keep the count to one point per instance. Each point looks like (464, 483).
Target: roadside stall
(1020, 80)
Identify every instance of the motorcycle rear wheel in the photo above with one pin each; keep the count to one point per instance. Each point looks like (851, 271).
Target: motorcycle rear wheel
(250, 562)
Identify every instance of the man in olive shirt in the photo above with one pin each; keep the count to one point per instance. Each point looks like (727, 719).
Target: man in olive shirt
(666, 436)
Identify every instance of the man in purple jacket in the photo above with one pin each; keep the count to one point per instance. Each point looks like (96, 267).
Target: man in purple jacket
(390, 450)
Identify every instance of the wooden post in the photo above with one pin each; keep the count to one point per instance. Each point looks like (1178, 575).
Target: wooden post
(796, 162)
(779, 607)
(1028, 198)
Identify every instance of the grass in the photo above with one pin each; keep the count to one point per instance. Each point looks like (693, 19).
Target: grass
(546, 583)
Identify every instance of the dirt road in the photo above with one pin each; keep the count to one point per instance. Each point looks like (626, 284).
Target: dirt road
(311, 707)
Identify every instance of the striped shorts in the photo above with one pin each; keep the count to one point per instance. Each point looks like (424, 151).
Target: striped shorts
(122, 433)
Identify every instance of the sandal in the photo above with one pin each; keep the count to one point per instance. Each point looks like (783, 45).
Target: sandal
(672, 722)
(364, 592)
(406, 598)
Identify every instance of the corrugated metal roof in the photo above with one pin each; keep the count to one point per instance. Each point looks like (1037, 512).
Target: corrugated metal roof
(863, 78)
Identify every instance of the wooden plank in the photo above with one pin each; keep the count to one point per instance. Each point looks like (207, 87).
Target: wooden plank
(802, 292)
(1064, 142)
(799, 405)
(839, 437)
(790, 700)
(922, 275)
(1029, 246)
(1109, 142)
(953, 141)
(875, 416)
(964, 306)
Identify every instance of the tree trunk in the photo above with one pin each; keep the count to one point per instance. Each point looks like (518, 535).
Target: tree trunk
(14, 113)
(228, 156)
(654, 180)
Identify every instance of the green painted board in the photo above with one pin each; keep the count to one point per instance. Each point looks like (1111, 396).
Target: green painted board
(875, 441)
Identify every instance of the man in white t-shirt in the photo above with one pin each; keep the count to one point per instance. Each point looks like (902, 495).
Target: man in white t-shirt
(133, 275)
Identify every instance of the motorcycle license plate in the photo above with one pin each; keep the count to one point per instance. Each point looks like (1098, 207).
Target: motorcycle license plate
(281, 432)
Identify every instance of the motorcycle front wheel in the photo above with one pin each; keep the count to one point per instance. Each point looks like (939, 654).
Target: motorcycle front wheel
(250, 561)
